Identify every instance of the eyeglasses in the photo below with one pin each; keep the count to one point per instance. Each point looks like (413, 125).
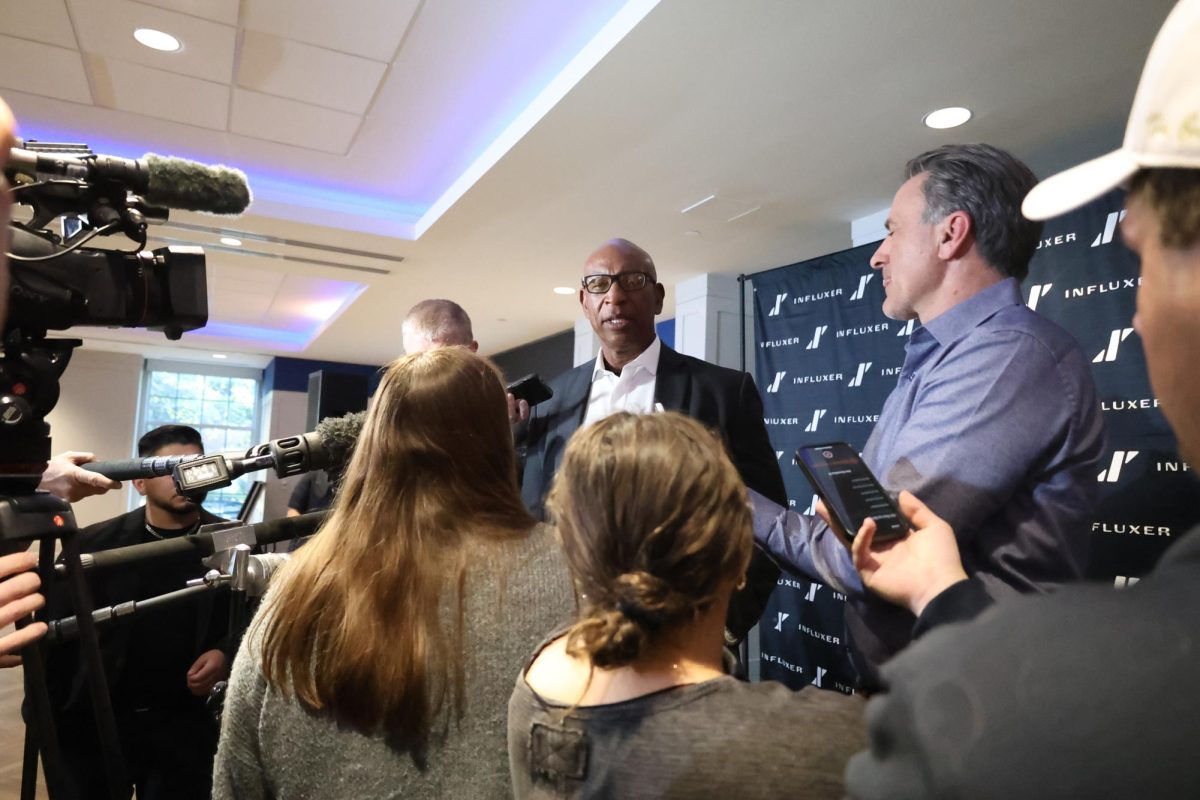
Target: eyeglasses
(629, 281)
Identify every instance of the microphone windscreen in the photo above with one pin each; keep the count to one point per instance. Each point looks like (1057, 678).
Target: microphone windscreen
(338, 435)
(192, 186)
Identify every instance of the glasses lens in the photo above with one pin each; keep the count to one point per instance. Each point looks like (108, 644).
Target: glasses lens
(597, 284)
(632, 281)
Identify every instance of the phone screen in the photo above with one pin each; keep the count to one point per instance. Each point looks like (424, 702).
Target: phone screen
(850, 491)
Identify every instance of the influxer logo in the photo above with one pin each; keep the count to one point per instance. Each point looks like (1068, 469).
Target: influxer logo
(907, 328)
(812, 507)
(820, 674)
(863, 280)
(816, 339)
(1114, 342)
(1036, 293)
(779, 298)
(774, 387)
(1110, 228)
(780, 616)
(811, 597)
(778, 455)
(1113, 473)
(816, 420)
(1123, 581)
(857, 380)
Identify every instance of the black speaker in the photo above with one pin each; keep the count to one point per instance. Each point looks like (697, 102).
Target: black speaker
(334, 394)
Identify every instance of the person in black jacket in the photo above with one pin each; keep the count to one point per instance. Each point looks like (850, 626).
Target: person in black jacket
(160, 664)
(620, 295)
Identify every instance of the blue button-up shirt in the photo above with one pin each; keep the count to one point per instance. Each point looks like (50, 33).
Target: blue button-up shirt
(996, 425)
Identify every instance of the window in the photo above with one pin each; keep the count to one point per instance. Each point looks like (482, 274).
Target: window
(220, 402)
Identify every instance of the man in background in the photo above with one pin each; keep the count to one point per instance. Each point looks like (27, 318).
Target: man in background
(437, 323)
(620, 295)
(160, 664)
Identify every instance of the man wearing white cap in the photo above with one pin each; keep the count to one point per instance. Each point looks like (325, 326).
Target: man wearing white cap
(1088, 692)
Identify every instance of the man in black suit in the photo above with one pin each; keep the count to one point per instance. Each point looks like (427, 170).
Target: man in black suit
(620, 295)
(160, 664)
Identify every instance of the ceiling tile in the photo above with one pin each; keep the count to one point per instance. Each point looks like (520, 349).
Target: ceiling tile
(290, 122)
(42, 69)
(370, 28)
(50, 24)
(105, 28)
(224, 11)
(307, 73)
(154, 93)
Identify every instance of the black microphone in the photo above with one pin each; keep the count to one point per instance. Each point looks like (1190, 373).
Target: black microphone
(161, 180)
(288, 456)
(205, 542)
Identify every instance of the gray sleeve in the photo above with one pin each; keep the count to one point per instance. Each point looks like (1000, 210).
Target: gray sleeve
(238, 771)
(804, 545)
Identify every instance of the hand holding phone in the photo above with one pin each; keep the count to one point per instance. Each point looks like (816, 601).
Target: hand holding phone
(850, 492)
(532, 389)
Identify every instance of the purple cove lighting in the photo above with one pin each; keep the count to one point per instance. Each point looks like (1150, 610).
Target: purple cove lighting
(541, 39)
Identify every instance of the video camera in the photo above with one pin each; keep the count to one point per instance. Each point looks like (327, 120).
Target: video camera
(57, 282)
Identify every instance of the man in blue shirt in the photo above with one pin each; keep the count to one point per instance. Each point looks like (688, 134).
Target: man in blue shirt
(995, 421)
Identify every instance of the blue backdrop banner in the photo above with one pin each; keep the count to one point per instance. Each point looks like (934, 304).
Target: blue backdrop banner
(827, 357)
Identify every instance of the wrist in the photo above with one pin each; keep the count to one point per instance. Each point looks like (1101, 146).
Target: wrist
(940, 584)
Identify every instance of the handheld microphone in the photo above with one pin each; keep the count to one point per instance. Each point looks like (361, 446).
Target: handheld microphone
(288, 456)
(161, 180)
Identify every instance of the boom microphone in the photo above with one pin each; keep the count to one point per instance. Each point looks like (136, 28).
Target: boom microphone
(161, 180)
(203, 543)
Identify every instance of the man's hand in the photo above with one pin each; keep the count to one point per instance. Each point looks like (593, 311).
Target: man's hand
(518, 410)
(66, 479)
(209, 668)
(910, 571)
(19, 598)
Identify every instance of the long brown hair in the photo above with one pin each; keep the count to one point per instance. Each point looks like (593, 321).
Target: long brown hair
(654, 520)
(355, 629)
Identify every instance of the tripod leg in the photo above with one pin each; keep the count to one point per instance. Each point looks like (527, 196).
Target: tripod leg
(89, 648)
(39, 731)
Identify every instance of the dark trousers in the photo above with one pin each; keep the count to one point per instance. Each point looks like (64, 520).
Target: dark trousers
(168, 755)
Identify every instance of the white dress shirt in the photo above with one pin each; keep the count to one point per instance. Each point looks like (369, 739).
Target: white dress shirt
(632, 390)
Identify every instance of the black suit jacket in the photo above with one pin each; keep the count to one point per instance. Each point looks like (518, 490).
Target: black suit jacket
(724, 399)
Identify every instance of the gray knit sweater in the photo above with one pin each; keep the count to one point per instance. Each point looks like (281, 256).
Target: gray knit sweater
(272, 747)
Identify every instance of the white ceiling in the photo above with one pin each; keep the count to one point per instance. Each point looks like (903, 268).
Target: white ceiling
(366, 113)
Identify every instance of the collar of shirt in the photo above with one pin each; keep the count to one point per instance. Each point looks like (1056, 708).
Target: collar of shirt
(646, 360)
(957, 322)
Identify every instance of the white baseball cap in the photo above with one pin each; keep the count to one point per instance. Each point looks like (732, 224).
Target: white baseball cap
(1163, 129)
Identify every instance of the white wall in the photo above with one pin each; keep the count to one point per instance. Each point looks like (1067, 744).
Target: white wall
(97, 412)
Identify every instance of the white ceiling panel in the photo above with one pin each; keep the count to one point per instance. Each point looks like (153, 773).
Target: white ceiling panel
(224, 11)
(50, 24)
(105, 28)
(370, 28)
(307, 73)
(290, 122)
(42, 69)
(154, 93)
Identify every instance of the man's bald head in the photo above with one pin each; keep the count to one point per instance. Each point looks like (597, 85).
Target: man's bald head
(437, 323)
(619, 251)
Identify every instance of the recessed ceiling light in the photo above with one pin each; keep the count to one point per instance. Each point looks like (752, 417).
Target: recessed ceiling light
(157, 40)
(220, 355)
(563, 290)
(231, 241)
(947, 117)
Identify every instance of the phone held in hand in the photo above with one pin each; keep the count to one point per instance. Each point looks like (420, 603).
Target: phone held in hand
(850, 491)
(532, 389)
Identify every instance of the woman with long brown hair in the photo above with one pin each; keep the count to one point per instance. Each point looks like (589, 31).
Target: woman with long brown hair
(632, 700)
(381, 659)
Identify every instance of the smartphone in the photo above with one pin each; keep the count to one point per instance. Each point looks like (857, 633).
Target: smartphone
(851, 493)
(532, 389)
